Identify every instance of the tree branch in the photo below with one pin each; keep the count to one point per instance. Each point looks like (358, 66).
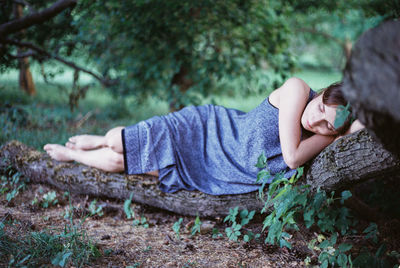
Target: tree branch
(325, 35)
(35, 18)
(41, 51)
(29, 53)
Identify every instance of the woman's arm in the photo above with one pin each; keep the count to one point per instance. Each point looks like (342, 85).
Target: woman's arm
(293, 97)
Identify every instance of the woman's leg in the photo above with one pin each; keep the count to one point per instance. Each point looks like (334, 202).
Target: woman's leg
(90, 142)
(103, 152)
(103, 158)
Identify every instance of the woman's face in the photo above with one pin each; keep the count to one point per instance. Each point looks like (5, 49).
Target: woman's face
(319, 118)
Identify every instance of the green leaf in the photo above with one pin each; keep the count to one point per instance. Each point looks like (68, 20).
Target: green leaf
(309, 217)
(299, 172)
(127, 207)
(342, 260)
(263, 176)
(232, 215)
(345, 195)
(268, 220)
(344, 247)
(284, 243)
(324, 244)
(61, 258)
(381, 250)
(246, 238)
(261, 161)
(177, 226)
(342, 113)
(324, 264)
(196, 227)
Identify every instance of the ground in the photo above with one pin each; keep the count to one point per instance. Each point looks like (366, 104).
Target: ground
(122, 244)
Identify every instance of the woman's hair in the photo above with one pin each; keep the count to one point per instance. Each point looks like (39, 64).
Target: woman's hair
(333, 96)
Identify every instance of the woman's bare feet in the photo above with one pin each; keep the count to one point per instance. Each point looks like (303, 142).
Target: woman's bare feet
(58, 152)
(86, 142)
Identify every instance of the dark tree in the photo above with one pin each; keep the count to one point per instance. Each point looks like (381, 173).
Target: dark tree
(372, 83)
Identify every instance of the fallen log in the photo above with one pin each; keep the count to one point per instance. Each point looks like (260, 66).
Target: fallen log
(350, 160)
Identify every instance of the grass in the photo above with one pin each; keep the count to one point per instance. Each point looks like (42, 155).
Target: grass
(47, 118)
(21, 247)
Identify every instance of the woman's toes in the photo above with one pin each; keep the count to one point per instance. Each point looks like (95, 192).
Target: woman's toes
(48, 147)
(70, 145)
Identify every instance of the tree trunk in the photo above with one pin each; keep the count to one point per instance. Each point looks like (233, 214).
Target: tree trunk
(371, 83)
(180, 79)
(25, 76)
(350, 160)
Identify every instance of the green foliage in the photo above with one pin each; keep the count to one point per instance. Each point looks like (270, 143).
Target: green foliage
(177, 227)
(11, 184)
(49, 199)
(127, 208)
(371, 232)
(155, 48)
(342, 115)
(130, 214)
(233, 232)
(95, 210)
(141, 222)
(380, 259)
(323, 212)
(216, 233)
(196, 227)
(72, 246)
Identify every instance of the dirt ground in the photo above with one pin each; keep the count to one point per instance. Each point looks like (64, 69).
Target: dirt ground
(123, 244)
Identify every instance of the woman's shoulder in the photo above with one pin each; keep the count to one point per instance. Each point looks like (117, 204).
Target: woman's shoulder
(292, 88)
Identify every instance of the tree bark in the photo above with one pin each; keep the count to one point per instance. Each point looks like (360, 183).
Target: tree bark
(371, 83)
(350, 160)
(25, 75)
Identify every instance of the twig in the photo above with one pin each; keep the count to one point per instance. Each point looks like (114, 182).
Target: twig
(83, 119)
(105, 82)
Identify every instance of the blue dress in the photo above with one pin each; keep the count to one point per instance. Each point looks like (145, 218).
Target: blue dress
(208, 148)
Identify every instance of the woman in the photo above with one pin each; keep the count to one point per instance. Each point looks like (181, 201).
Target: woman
(214, 149)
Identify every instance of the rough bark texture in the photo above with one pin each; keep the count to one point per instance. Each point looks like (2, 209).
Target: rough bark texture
(350, 160)
(372, 83)
(81, 179)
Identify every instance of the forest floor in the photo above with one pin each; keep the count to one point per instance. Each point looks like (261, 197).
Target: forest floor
(122, 244)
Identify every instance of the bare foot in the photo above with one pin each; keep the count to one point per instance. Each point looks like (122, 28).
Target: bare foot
(85, 142)
(58, 152)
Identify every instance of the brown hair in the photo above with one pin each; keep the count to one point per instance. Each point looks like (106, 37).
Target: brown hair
(333, 96)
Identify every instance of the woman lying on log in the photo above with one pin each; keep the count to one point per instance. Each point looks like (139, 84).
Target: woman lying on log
(214, 149)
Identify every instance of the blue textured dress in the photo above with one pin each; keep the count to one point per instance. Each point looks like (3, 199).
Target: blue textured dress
(208, 148)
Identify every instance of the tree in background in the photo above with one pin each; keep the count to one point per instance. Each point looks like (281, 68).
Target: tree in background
(39, 30)
(177, 50)
(172, 50)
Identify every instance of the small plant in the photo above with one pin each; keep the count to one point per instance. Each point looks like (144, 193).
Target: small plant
(233, 232)
(49, 199)
(37, 249)
(141, 222)
(95, 210)
(11, 184)
(177, 227)
(127, 208)
(216, 233)
(197, 226)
